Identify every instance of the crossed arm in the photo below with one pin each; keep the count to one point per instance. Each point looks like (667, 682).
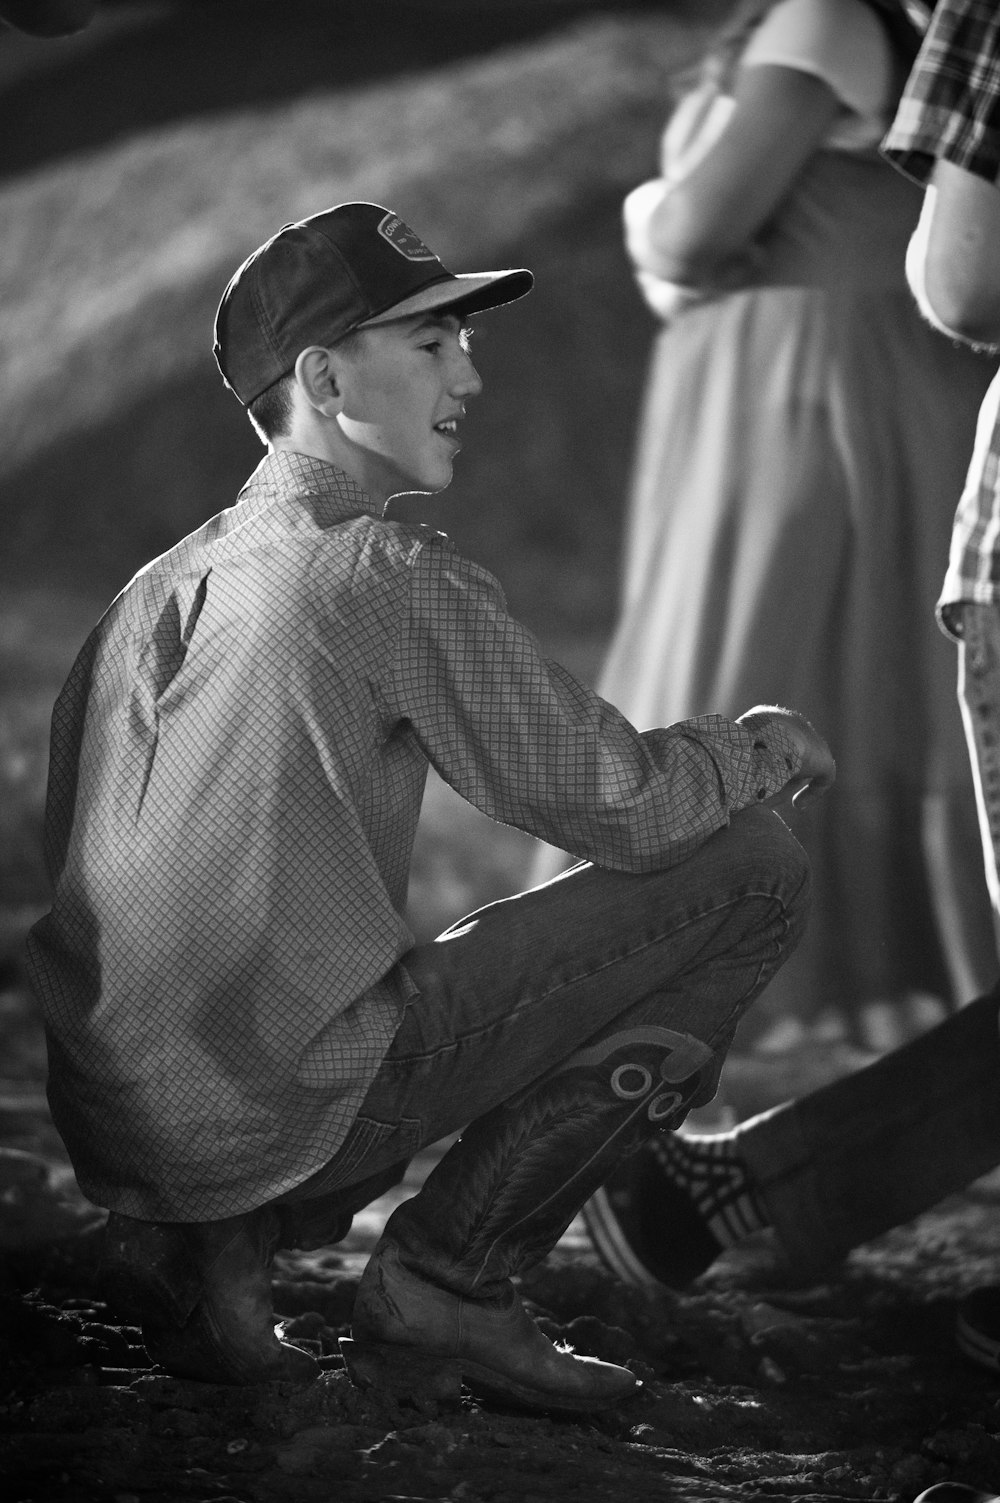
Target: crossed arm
(701, 223)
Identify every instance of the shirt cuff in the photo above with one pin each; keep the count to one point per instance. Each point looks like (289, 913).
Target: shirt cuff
(775, 751)
(755, 755)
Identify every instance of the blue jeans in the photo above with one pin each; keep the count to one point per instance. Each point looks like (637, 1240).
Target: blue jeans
(510, 992)
(979, 699)
(871, 1151)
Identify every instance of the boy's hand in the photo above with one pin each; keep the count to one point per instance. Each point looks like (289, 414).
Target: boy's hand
(817, 768)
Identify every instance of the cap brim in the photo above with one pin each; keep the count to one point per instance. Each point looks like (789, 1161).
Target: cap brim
(470, 292)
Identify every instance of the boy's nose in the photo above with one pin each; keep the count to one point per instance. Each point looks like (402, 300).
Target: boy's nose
(467, 381)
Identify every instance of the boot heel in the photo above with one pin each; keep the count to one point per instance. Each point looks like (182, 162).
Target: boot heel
(405, 1372)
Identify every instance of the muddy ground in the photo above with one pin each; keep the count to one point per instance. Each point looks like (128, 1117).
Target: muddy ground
(852, 1389)
(848, 1390)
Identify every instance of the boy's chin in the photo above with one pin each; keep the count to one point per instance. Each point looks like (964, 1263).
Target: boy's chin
(429, 486)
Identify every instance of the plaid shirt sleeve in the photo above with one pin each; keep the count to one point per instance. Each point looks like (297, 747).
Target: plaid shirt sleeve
(950, 107)
(520, 738)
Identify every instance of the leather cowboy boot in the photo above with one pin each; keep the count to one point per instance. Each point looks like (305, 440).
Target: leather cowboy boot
(436, 1304)
(201, 1292)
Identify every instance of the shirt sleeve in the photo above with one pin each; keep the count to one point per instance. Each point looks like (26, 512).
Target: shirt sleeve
(519, 737)
(950, 108)
(839, 41)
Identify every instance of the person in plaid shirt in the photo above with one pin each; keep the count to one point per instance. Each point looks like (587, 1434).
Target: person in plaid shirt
(245, 1044)
(946, 135)
(925, 1120)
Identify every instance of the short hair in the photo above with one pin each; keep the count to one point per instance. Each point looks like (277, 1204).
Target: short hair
(271, 411)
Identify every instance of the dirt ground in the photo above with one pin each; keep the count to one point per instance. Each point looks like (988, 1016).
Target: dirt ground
(852, 1389)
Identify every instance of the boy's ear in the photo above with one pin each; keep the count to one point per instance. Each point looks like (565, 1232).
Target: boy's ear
(316, 376)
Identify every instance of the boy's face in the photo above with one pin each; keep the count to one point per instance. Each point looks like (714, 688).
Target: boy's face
(404, 387)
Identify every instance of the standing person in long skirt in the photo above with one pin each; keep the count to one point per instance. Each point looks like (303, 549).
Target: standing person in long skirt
(803, 438)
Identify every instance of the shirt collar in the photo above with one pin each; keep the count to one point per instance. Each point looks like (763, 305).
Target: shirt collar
(329, 492)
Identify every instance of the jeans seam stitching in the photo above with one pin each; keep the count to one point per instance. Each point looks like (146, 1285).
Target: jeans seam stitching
(478, 1033)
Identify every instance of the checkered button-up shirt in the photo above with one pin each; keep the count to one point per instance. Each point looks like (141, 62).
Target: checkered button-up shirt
(950, 110)
(238, 760)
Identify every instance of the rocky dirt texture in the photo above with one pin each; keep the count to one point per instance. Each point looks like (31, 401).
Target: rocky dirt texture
(853, 1389)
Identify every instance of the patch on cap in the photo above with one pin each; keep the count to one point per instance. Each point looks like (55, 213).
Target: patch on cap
(403, 239)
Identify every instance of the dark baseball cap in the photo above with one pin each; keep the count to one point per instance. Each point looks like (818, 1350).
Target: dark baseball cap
(320, 278)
